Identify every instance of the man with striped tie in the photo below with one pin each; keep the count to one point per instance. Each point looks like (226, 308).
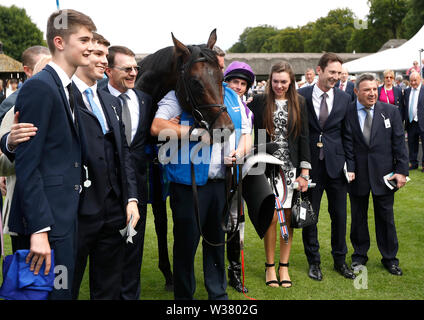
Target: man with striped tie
(413, 115)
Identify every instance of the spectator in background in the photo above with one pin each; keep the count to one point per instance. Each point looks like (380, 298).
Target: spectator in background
(422, 68)
(345, 85)
(309, 77)
(29, 58)
(415, 67)
(12, 87)
(400, 83)
(413, 115)
(2, 96)
(388, 93)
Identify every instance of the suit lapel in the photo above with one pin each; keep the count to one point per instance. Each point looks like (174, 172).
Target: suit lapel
(111, 118)
(335, 106)
(65, 101)
(310, 104)
(141, 112)
(356, 127)
(377, 121)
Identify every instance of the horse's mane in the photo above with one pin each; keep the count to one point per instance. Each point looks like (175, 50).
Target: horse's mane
(159, 71)
(156, 73)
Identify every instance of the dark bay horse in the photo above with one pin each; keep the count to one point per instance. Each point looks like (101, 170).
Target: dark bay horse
(194, 73)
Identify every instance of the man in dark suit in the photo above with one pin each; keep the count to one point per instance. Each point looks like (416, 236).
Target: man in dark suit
(48, 166)
(413, 115)
(345, 85)
(109, 187)
(331, 148)
(379, 149)
(122, 71)
(29, 58)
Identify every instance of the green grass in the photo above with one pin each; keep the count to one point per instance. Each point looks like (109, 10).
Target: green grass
(409, 218)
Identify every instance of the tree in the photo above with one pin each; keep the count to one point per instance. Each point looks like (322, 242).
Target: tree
(253, 39)
(17, 31)
(286, 40)
(387, 15)
(331, 33)
(414, 18)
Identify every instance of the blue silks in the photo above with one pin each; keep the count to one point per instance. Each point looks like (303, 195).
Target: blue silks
(19, 283)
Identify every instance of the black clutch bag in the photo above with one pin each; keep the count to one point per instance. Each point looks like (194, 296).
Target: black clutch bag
(302, 214)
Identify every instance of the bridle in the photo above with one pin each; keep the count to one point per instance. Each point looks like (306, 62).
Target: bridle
(182, 83)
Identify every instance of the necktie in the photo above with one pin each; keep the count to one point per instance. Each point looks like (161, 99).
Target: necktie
(323, 115)
(95, 108)
(411, 106)
(341, 85)
(126, 117)
(367, 126)
(71, 97)
(323, 110)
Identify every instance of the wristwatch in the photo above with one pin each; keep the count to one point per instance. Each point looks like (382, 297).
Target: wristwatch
(305, 176)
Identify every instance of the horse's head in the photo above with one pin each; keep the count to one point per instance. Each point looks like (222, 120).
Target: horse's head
(199, 85)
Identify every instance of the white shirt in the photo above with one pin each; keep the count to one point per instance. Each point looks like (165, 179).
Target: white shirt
(317, 97)
(133, 106)
(415, 106)
(82, 86)
(169, 108)
(344, 85)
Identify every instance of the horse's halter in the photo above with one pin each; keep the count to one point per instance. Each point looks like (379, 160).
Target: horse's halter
(199, 120)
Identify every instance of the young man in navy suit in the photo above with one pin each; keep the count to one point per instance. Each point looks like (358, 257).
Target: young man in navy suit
(48, 166)
(109, 187)
(331, 148)
(379, 149)
(136, 108)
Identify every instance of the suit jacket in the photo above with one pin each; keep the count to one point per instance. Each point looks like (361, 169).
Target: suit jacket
(385, 154)
(399, 100)
(92, 198)
(139, 142)
(349, 89)
(48, 166)
(299, 146)
(420, 108)
(336, 135)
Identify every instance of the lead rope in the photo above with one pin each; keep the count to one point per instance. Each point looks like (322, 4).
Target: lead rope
(241, 230)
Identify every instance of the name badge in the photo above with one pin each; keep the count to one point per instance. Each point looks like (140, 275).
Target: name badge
(386, 122)
(303, 213)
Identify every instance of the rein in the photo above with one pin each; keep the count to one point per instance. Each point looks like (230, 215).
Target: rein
(199, 119)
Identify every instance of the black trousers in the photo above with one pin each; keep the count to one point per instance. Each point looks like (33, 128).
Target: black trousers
(385, 229)
(161, 222)
(336, 191)
(186, 239)
(414, 135)
(99, 241)
(130, 286)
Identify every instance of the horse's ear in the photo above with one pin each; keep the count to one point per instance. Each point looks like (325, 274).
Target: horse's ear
(212, 39)
(180, 48)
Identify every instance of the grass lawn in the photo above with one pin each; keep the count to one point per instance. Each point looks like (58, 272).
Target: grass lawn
(409, 218)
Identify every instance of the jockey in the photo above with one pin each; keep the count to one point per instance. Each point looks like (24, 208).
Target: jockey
(239, 77)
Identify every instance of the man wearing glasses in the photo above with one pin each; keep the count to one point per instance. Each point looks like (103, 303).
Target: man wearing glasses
(122, 71)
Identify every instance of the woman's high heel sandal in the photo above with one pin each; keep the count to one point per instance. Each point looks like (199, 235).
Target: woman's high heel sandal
(284, 281)
(268, 283)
